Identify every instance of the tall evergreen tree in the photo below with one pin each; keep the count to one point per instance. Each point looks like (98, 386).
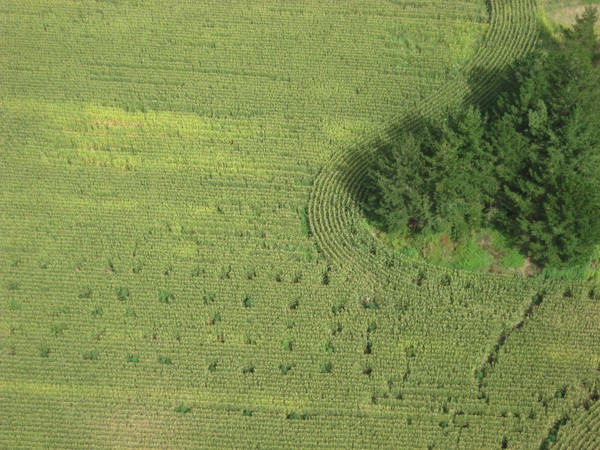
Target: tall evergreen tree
(547, 143)
(437, 178)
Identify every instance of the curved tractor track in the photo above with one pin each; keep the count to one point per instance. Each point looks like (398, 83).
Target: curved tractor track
(333, 212)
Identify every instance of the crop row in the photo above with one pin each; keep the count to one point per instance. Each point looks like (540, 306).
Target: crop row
(333, 209)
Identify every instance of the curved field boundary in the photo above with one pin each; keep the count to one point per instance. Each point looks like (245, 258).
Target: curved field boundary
(333, 212)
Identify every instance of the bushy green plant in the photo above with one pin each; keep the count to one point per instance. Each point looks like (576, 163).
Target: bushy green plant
(122, 293)
(91, 356)
(165, 296)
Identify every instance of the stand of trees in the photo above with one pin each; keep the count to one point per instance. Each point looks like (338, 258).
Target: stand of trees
(530, 167)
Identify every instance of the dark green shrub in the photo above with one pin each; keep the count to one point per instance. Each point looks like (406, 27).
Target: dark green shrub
(326, 367)
(328, 347)
(212, 367)
(225, 273)
(216, 318)
(337, 309)
(247, 301)
(14, 305)
(133, 359)
(164, 360)
(44, 350)
(165, 296)
(183, 409)
(285, 368)
(561, 393)
(287, 344)
(122, 293)
(208, 298)
(369, 303)
(372, 327)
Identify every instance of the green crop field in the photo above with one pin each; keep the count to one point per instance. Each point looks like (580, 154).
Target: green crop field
(183, 263)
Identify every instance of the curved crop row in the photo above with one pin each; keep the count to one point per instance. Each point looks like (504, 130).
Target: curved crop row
(583, 432)
(333, 212)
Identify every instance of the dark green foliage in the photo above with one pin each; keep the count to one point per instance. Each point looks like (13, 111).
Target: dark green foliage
(183, 409)
(164, 360)
(296, 416)
(247, 413)
(553, 433)
(197, 271)
(287, 345)
(137, 268)
(372, 327)
(225, 273)
(216, 319)
(326, 367)
(133, 359)
(208, 298)
(437, 178)
(212, 367)
(122, 293)
(547, 139)
(561, 393)
(91, 356)
(294, 305)
(533, 171)
(247, 301)
(302, 213)
(285, 368)
(337, 309)
(369, 303)
(44, 350)
(164, 296)
(14, 305)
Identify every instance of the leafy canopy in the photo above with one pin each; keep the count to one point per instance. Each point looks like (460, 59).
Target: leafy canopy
(532, 170)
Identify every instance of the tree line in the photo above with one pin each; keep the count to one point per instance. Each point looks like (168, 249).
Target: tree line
(529, 166)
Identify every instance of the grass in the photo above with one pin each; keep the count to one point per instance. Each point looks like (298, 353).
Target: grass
(485, 251)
